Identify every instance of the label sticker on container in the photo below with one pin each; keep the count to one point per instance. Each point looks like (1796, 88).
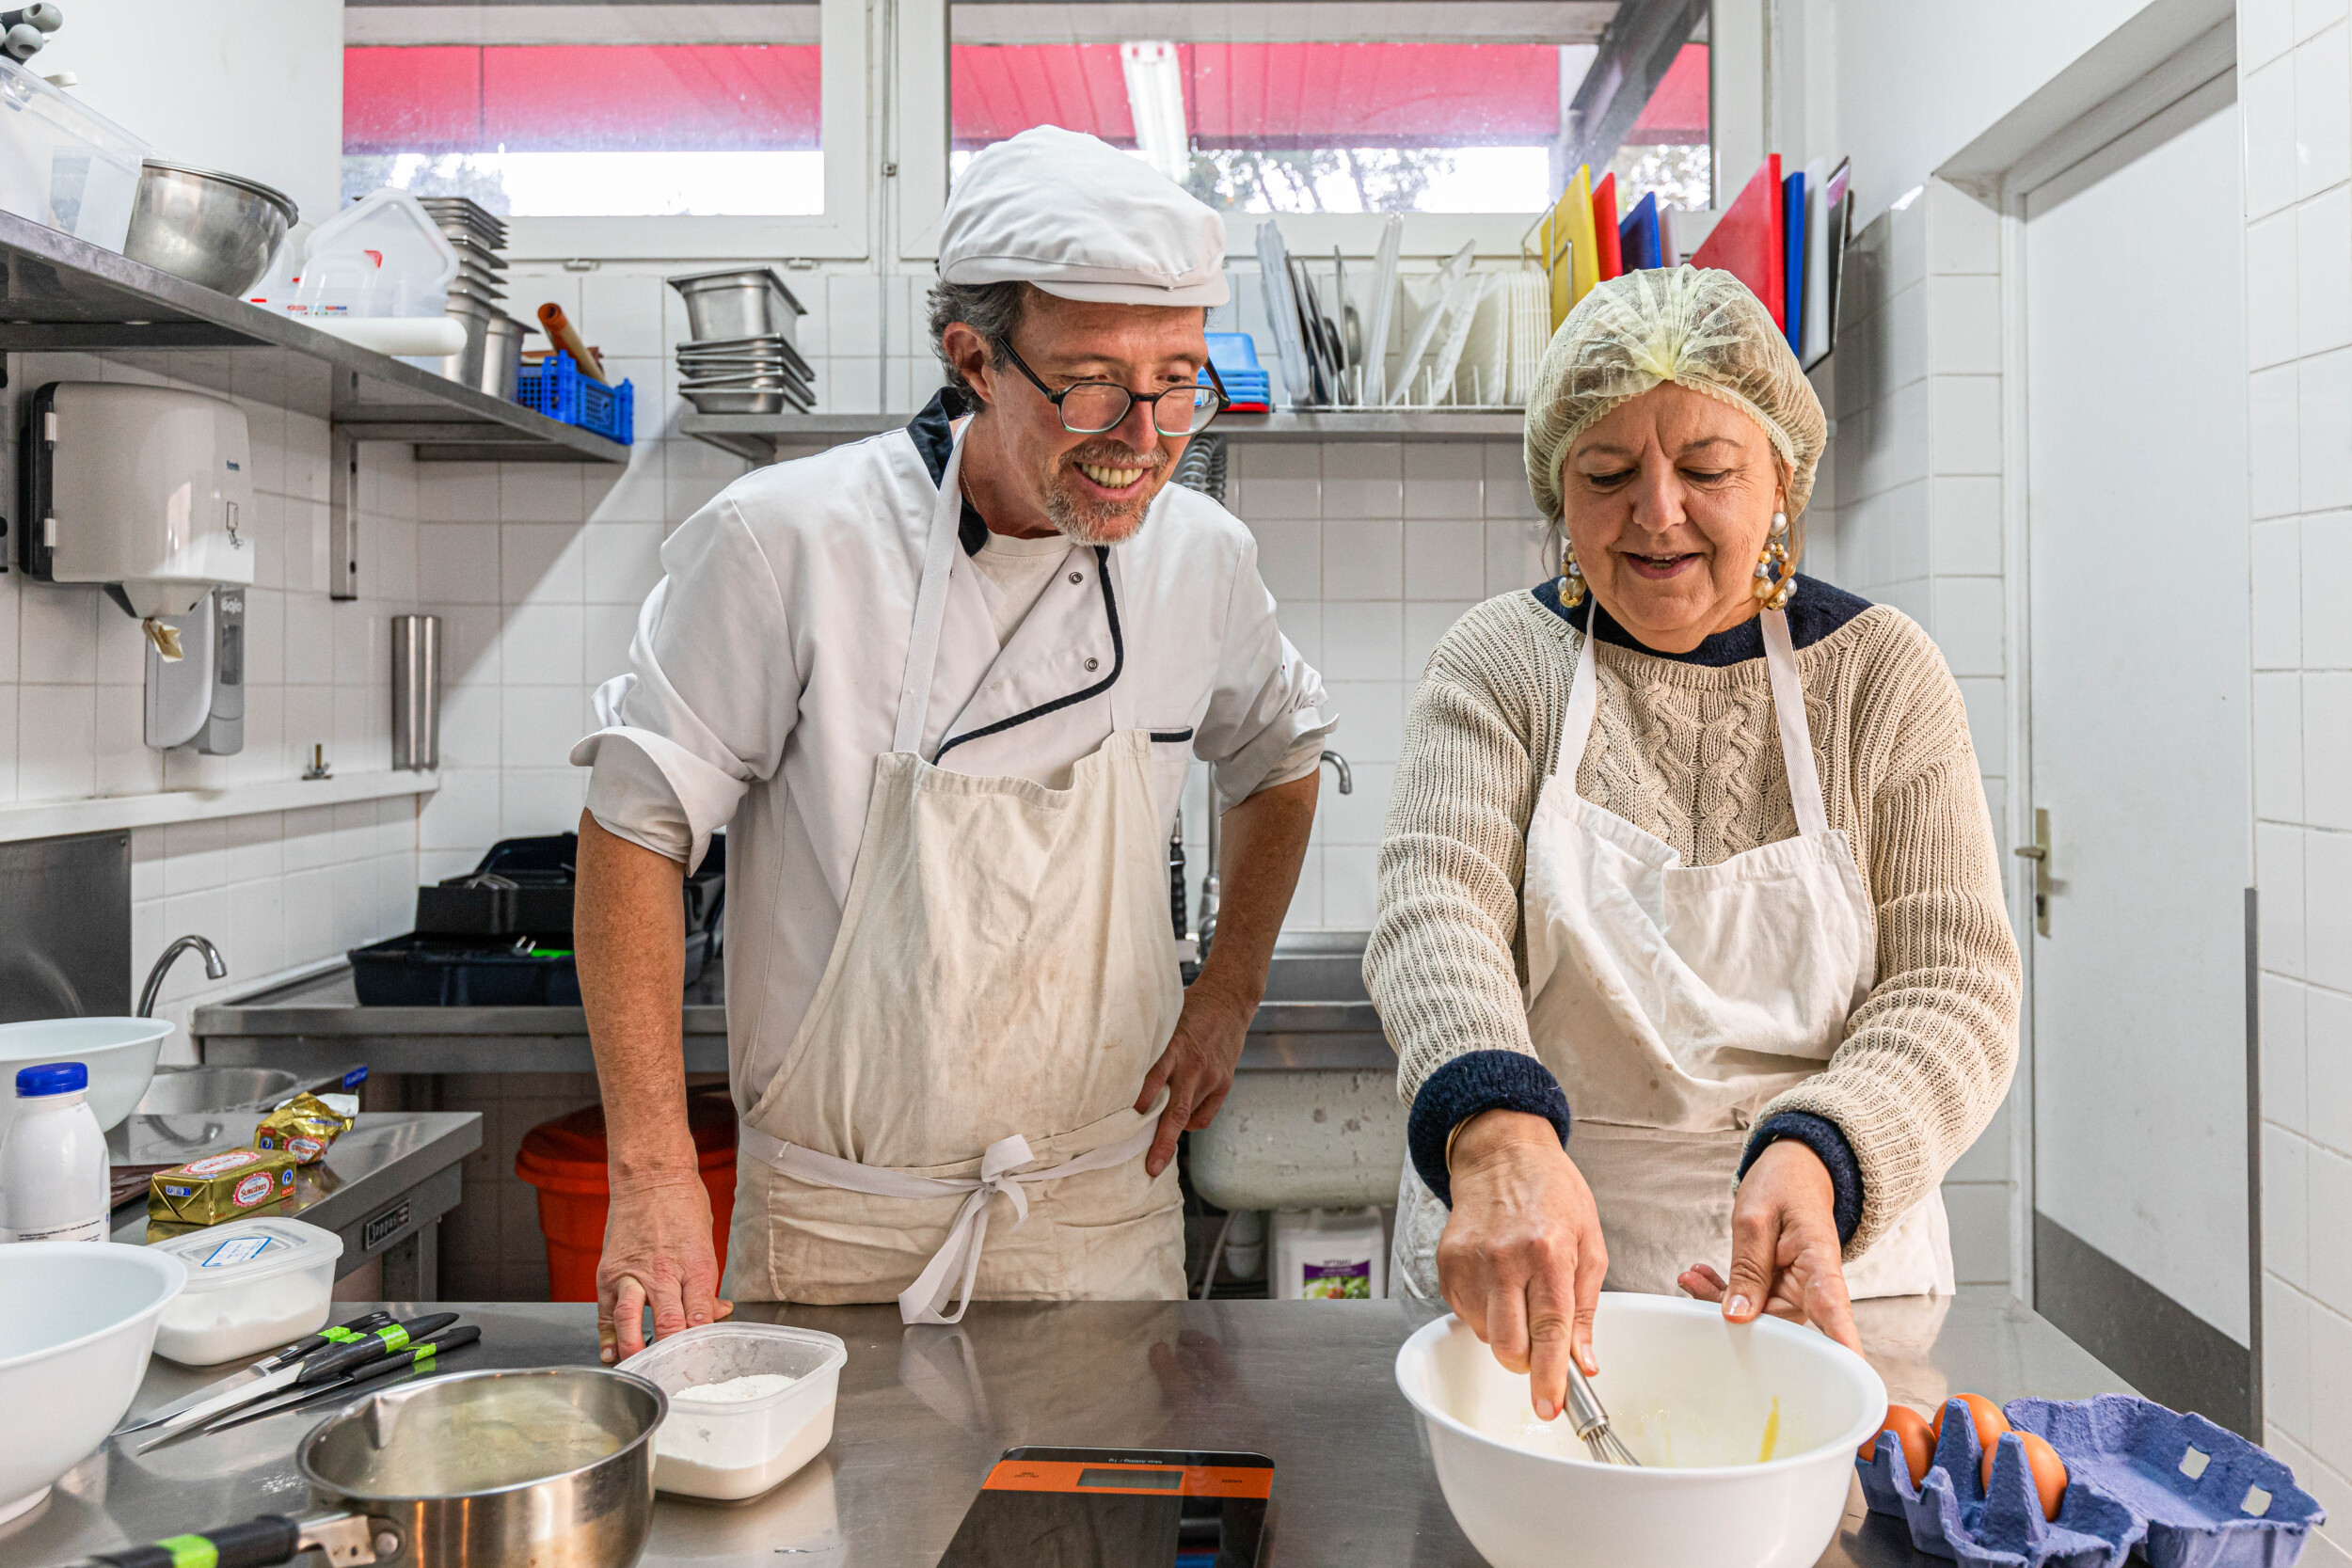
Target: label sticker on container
(237, 1249)
(1337, 1281)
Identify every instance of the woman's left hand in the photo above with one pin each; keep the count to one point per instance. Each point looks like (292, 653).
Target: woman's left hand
(1786, 1259)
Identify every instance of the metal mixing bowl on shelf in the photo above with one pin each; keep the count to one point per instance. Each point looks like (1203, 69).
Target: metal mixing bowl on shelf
(214, 229)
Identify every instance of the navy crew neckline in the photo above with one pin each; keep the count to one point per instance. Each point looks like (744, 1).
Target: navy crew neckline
(933, 432)
(1815, 611)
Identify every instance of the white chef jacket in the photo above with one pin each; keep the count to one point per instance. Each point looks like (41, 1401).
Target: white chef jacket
(765, 672)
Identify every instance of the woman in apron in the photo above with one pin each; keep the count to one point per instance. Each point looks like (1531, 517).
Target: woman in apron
(1687, 855)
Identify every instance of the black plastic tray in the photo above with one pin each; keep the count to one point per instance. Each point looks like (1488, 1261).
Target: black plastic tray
(423, 971)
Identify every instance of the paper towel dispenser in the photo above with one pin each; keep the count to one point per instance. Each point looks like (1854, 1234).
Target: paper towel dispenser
(148, 490)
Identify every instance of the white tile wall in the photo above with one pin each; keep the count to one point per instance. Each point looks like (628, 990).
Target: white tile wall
(1911, 517)
(2299, 383)
(274, 890)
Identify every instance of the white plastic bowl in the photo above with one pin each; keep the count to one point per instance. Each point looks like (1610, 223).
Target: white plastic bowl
(741, 1448)
(75, 1338)
(119, 1053)
(1692, 1396)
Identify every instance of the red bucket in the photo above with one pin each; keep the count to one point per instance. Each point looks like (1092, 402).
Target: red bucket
(565, 1159)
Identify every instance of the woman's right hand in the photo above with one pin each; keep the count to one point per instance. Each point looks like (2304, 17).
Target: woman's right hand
(1521, 1257)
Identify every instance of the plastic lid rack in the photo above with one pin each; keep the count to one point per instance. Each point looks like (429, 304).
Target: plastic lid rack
(61, 292)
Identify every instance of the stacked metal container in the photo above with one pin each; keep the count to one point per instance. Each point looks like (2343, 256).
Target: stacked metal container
(743, 359)
(491, 361)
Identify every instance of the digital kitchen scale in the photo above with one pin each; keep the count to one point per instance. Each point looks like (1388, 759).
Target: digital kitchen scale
(1115, 1508)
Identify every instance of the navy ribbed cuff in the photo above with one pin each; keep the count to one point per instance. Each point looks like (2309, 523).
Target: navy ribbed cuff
(1474, 1082)
(1826, 1140)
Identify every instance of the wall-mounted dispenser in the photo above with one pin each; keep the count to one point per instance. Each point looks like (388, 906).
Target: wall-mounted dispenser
(145, 489)
(199, 698)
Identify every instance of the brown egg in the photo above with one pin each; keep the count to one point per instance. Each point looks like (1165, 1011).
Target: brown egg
(2043, 1465)
(1987, 1416)
(1911, 1430)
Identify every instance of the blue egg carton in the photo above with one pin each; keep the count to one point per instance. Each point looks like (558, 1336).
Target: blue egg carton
(2182, 1491)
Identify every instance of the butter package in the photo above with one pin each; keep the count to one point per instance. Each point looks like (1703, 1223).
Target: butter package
(308, 1125)
(221, 1187)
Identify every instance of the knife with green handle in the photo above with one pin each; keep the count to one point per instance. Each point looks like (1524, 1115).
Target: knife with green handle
(323, 1367)
(301, 1349)
(422, 1357)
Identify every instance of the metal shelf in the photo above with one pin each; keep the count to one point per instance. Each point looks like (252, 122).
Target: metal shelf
(757, 436)
(57, 292)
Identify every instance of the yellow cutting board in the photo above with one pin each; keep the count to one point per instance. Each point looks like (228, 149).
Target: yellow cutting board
(1571, 250)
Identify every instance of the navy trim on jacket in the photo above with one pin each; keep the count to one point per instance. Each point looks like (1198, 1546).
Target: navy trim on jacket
(1815, 611)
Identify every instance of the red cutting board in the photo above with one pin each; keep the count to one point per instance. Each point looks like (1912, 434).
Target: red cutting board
(1605, 241)
(1748, 241)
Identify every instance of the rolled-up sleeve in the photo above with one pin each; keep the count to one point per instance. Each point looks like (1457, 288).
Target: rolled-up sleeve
(1267, 715)
(710, 695)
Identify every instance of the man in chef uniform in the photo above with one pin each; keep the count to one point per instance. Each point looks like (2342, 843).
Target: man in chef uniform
(943, 686)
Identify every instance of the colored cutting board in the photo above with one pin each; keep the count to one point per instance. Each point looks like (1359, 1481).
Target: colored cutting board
(1637, 236)
(1750, 242)
(1608, 258)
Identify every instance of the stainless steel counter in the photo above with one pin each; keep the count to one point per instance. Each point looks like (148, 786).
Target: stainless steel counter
(924, 1411)
(383, 1188)
(1315, 1015)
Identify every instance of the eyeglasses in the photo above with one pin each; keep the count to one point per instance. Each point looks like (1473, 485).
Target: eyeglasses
(1094, 407)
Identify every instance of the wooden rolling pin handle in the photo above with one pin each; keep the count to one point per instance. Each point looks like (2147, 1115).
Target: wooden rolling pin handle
(565, 336)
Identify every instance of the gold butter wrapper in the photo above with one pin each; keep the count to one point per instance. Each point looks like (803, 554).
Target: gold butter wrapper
(305, 1127)
(221, 1187)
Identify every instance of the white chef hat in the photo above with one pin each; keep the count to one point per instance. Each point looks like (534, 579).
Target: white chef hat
(1078, 218)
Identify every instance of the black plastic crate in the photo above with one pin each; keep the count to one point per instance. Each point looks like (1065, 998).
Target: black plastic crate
(419, 970)
(524, 887)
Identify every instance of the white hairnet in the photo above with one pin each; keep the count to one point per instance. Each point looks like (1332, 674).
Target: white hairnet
(1700, 329)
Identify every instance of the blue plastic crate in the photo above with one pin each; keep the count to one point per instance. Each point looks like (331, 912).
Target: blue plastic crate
(560, 389)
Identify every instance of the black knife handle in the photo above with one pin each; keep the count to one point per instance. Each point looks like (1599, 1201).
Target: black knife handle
(260, 1543)
(327, 1338)
(343, 1360)
(419, 1357)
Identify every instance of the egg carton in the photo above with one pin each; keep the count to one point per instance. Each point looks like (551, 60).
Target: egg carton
(2182, 1491)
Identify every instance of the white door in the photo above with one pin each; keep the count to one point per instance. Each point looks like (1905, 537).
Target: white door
(2137, 572)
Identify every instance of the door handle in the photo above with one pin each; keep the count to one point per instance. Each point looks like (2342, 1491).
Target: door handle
(2039, 852)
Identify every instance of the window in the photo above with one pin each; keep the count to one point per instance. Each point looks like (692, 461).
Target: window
(676, 110)
(1320, 106)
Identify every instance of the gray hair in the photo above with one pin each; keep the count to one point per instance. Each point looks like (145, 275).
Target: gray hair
(991, 309)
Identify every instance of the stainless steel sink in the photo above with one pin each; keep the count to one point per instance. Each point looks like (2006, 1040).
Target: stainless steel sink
(191, 1090)
(1315, 1014)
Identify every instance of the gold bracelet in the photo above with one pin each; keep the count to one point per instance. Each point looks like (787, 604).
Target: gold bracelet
(1449, 1142)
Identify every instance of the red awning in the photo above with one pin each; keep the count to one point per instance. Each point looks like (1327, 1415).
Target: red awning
(1677, 112)
(556, 97)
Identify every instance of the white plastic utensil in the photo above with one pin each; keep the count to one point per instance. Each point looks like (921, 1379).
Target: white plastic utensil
(1426, 328)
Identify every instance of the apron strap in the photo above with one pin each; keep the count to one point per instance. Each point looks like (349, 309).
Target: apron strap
(1796, 742)
(1780, 665)
(959, 1255)
(931, 601)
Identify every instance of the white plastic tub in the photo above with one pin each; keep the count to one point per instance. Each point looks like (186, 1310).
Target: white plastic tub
(75, 1332)
(741, 1448)
(1693, 1398)
(253, 1284)
(64, 165)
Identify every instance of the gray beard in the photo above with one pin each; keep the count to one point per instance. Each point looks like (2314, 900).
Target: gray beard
(1087, 524)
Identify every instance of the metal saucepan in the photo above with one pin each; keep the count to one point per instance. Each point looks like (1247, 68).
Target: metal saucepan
(551, 1466)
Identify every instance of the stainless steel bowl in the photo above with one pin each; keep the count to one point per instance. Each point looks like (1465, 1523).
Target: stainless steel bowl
(214, 229)
(551, 1466)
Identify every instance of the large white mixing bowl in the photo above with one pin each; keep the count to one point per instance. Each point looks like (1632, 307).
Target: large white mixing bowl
(1692, 1397)
(119, 1053)
(77, 1320)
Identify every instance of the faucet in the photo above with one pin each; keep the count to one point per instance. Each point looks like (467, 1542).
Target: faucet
(1210, 885)
(215, 968)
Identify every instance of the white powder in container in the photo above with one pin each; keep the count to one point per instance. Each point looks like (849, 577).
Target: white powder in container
(707, 1448)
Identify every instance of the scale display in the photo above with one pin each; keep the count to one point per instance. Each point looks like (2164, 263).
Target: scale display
(1101, 1508)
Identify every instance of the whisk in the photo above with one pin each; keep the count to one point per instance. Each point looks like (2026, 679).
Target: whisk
(1590, 1423)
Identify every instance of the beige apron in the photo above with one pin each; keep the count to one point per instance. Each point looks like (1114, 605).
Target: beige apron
(1004, 978)
(1672, 1002)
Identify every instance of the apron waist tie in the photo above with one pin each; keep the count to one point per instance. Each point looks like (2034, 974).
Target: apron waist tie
(1000, 1172)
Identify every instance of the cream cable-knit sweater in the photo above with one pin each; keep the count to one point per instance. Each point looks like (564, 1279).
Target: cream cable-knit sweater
(1691, 753)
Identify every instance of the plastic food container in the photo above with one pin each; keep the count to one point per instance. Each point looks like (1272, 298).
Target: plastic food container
(63, 164)
(742, 1447)
(252, 1284)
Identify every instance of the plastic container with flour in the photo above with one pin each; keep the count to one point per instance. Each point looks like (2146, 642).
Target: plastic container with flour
(750, 1404)
(252, 1284)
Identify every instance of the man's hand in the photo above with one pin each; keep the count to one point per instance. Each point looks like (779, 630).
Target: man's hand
(1786, 1258)
(1521, 1259)
(1196, 1067)
(656, 1249)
